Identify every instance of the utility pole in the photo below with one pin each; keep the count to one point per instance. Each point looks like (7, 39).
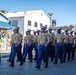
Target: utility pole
(50, 16)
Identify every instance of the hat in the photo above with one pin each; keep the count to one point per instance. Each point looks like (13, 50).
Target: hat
(28, 30)
(58, 28)
(43, 27)
(34, 31)
(66, 30)
(37, 30)
(50, 28)
(16, 28)
(46, 30)
(71, 31)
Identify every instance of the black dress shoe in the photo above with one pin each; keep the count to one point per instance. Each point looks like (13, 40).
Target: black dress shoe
(38, 67)
(11, 65)
(9, 60)
(51, 60)
(17, 60)
(55, 62)
(23, 60)
(21, 63)
(30, 61)
(34, 59)
(46, 66)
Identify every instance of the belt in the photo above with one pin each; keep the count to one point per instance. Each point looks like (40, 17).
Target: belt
(42, 43)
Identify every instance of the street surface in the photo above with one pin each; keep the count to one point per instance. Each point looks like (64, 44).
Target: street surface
(68, 68)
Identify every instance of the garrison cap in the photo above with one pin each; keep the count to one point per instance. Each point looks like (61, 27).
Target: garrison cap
(58, 28)
(34, 31)
(16, 27)
(66, 30)
(28, 30)
(43, 27)
(71, 31)
(37, 30)
(50, 28)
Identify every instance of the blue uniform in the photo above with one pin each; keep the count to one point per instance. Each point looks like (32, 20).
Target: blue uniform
(41, 54)
(14, 51)
(65, 50)
(27, 49)
(51, 51)
(58, 52)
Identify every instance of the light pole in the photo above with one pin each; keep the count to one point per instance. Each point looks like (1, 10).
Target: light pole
(50, 16)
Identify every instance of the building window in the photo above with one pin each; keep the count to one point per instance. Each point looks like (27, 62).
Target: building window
(29, 23)
(9, 22)
(41, 24)
(46, 26)
(15, 23)
(41, 14)
(35, 24)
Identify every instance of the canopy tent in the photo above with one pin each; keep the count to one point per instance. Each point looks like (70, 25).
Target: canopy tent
(5, 25)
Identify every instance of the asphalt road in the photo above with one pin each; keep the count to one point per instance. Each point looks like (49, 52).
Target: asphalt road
(68, 68)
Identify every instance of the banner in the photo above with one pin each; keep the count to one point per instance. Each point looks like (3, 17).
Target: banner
(53, 22)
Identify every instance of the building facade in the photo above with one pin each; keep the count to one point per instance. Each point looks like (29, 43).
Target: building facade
(3, 18)
(28, 20)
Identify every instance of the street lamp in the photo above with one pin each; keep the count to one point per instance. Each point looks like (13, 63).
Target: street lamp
(50, 15)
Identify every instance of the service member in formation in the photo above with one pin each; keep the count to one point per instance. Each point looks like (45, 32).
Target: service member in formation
(28, 45)
(50, 45)
(35, 45)
(71, 52)
(66, 45)
(16, 41)
(42, 48)
(73, 46)
(75, 41)
(58, 42)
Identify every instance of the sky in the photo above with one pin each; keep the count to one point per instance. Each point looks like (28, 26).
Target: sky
(64, 10)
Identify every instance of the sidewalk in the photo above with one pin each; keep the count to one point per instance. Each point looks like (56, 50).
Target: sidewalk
(4, 53)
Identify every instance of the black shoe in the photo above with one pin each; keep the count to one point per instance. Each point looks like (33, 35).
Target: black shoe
(68, 60)
(55, 62)
(51, 60)
(30, 61)
(38, 67)
(64, 61)
(46, 66)
(61, 62)
(23, 60)
(9, 60)
(21, 63)
(72, 58)
(11, 65)
(34, 59)
(17, 60)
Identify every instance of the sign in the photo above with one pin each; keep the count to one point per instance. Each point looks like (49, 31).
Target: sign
(54, 24)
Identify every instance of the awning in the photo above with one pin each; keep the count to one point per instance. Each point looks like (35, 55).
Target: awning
(5, 25)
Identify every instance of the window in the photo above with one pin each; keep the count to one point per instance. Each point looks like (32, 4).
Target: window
(15, 23)
(29, 23)
(41, 14)
(46, 26)
(9, 22)
(41, 24)
(35, 25)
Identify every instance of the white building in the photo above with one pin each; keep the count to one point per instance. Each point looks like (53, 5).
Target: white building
(28, 20)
